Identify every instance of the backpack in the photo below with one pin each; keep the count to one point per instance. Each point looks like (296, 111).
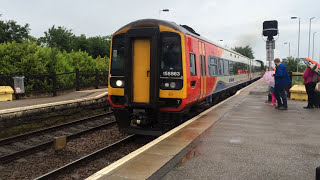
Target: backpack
(315, 77)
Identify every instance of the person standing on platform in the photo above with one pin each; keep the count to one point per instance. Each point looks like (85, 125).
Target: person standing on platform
(310, 87)
(281, 78)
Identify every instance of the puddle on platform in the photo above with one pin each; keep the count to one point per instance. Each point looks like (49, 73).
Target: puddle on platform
(235, 140)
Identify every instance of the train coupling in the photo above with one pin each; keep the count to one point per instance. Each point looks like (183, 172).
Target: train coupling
(140, 119)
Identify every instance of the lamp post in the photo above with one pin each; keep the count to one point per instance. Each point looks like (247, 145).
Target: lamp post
(309, 36)
(298, 42)
(289, 47)
(298, 36)
(313, 45)
(164, 10)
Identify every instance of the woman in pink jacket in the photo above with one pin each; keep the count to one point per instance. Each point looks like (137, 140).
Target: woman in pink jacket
(310, 87)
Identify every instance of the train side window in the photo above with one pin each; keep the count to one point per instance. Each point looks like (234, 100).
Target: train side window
(226, 67)
(220, 67)
(231, 67)
(193, 68)
(212, 66)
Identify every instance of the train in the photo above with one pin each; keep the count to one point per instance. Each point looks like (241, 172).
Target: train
(160, 70)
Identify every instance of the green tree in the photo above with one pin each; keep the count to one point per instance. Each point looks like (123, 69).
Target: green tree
(60, 37)
(81, 43)
(11, 31)
(292, 62)
(246, 51)
(99, 46)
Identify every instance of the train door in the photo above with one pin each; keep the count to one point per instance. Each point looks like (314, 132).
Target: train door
(203, 69)
(141, 70)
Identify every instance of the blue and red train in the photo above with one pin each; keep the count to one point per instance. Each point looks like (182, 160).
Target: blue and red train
(159, 70)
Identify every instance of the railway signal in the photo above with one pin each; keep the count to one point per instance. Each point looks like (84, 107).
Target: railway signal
(270, 29)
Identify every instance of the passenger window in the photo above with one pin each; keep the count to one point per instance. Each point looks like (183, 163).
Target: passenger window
(226, 67)
(212, 66)
(220, 67)
(193, 69)
(231, 68)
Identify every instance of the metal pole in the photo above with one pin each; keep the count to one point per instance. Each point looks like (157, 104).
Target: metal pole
(309, 36)
(289, 49)
(319, 53)
(298, 48)
(313, 45)
(298, 42)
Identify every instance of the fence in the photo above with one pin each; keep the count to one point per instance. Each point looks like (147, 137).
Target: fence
(52, 83)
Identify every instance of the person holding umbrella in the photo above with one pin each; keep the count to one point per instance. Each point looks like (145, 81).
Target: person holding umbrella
(269, 80)
(311, 77)
(310, 87)
(281, 78)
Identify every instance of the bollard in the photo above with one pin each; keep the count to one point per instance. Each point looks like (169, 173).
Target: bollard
(54, 83)
(96, 79)
(318, 173)
(77, 80)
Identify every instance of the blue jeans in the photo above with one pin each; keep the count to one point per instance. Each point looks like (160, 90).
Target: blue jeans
(280, 96)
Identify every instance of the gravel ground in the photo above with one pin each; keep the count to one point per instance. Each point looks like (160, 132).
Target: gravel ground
(40, 163)
(90, 168)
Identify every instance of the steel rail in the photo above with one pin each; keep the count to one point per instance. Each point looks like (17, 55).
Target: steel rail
(37, 148)
(86, 158)
(49, 129)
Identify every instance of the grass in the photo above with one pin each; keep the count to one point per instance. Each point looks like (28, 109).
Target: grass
(297, 80)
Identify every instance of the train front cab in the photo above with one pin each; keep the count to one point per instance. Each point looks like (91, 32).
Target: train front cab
(146, 75)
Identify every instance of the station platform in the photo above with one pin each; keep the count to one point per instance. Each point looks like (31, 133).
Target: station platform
(29, 103)
(24, 115)
(239, 138)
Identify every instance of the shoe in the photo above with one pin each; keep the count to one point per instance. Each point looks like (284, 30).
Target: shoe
(277, 107)
(308, 107)
(271, 105)
(283, 108)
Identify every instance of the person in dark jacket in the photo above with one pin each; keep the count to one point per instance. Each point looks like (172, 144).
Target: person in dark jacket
(281, 78)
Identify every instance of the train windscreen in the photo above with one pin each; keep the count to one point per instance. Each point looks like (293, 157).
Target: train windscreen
(117, 58)
(170, 56)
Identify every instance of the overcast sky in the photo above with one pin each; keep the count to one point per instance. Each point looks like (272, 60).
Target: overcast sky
(236, 22)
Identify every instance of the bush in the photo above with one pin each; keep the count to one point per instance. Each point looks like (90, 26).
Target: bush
(27, 58)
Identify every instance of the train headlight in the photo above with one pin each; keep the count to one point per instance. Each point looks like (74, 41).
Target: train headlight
(119, 83)
(172, 85)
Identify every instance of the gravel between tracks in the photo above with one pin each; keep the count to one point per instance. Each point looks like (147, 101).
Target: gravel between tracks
(96, 165)
(40, 163)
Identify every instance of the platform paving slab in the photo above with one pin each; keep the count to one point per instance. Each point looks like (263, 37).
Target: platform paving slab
(255, 141)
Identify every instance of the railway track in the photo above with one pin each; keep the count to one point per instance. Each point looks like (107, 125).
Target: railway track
(86, 159)
(18, 146)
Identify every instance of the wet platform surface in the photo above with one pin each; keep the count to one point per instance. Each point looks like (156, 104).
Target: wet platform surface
(255, 141)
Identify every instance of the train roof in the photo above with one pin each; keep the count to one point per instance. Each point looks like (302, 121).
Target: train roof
(182, 28)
